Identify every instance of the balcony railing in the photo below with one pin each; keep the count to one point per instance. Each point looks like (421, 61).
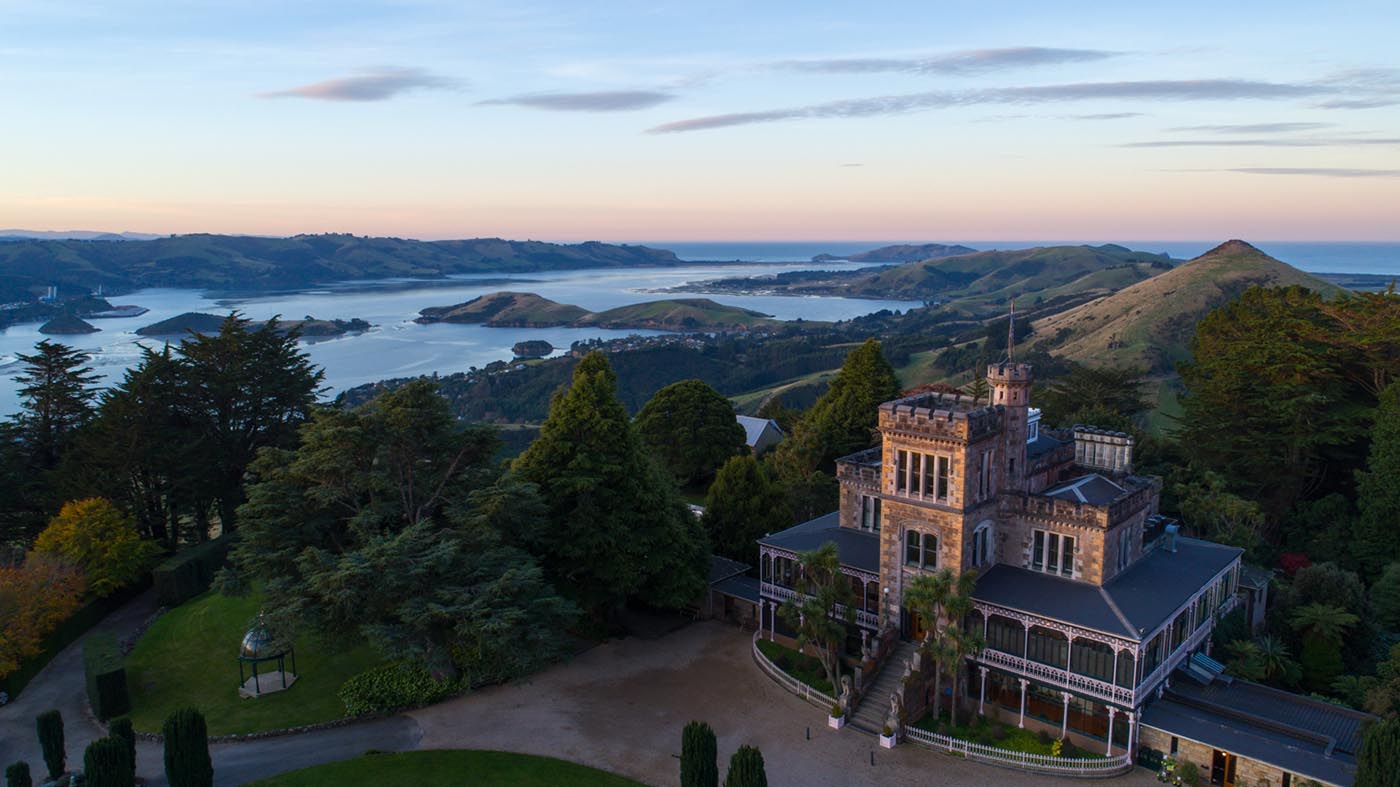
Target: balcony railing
(1179, 655)
(1046, 673)
(772, 592)
(1036, 763)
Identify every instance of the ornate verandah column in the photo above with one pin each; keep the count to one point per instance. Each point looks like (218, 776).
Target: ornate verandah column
(1022, 722)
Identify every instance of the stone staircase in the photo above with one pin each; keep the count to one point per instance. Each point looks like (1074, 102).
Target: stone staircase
(875, 705)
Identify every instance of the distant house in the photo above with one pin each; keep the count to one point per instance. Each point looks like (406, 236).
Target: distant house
(760, 434)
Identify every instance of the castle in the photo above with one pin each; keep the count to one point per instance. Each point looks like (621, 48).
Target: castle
(1089, 601)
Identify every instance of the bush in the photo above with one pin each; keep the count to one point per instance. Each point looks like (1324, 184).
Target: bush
(121, 729)
(187, 750)
(1188, 773)
(102, 541)
(999, 732)
(189, 573)
(68, 632)
(746, 769)
(106, 763)
(699, 766)
(106, 677)
(1043, 737)
(886, 731)
(50, 728)
(836, 711)
(391, 687)
(17, 775)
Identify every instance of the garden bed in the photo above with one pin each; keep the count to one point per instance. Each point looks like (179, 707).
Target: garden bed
(806, 669)
(990, 732)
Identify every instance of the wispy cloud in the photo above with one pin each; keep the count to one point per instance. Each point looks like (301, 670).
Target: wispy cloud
(1366, 88)
(596, 101)
(1151, 90)
(1254, 128)
(1103, 116)
(972, 61)
(1321, 172)
(1266, 142)
(379, 84)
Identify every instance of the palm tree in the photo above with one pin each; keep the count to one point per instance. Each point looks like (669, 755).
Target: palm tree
(932, 596)
(962, 642)
(824, 608)
(1323, 622)
(1275, 662)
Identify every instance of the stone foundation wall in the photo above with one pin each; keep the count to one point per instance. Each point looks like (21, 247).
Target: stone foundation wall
(1248, 773)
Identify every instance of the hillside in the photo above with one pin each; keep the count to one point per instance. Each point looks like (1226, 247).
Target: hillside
(900, 253)
(1150, 324)
(682, 314)
(528, 310)
(67, 324)
(241, 262)
(977, 284)
(201, 323)
(506, 310)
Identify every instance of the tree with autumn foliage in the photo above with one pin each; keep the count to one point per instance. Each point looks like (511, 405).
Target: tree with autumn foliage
(98, 538)
(35, 596)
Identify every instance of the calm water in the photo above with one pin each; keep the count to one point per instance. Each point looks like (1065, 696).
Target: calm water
(399, 347)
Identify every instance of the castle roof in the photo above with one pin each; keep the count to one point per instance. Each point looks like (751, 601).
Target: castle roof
(1133, 604)
(858, 549)
(1093, 489)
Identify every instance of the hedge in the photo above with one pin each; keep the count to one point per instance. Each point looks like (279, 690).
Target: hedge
(393, 687)
(68, 631)
(189, 573)
(106, 677)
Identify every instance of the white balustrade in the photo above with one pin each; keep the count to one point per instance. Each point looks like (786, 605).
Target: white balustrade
(1038, 763)
(1063, 678)
(789, 682)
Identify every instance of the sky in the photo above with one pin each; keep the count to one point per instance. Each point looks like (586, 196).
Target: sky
(717, 120)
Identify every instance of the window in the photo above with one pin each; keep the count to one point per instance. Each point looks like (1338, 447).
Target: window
(982, 545)
(1048, 647)
(1091, 658)
(926, 475)
(944, 472)
(1052, 553)
(984, 476)
(1125, 547)
(901, 471)
(1006, 635)
(920, 549)
(869, 512)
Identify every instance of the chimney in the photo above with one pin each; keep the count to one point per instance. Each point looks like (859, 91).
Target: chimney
(1101, 449)
(1169, 537)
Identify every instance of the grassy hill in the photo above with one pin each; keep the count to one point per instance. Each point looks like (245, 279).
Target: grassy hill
(199, 322)
(528, 310)
(241, 262)
(680, 314)
(506, 310)
(1150, 324)
(900, 253)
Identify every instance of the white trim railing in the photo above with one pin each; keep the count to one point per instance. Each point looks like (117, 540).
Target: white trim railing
(789, 682)
(1037, 763)
(772, 592)
(1180, 653)
(1100, 689)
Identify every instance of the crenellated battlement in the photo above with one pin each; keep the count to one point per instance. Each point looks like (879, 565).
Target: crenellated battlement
(1009, 372)
(955, 416)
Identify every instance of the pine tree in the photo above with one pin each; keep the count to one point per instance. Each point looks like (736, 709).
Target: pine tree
(187, 762)
(743, 505)
(17, 775)
(844, 418)
(50, 727)
(107, 763)
(746, 769)
(1378, 489)
(56, 393)
(121, 729)
(616, 526)
(691, 430)
(699, 767)
(1378, 764)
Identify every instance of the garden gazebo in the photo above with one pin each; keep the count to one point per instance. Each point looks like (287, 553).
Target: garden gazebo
(260, 647)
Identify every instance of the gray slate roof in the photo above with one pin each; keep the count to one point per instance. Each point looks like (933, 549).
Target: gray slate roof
(740, 587)
(1298, 734)
(1133, 604)
(1093, 489)
(722, 568)
(858, 548)
(1042, 444)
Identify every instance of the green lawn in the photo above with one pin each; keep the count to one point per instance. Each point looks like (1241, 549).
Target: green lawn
(438, 767)
(189, 658)
(804, 668)
(980, 729)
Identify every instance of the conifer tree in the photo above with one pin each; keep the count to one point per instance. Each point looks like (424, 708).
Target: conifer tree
(17, 775)
(56, 393)
(616, 526)
(107, 763)
(844, 418)
(699, 767)
(691, 430)
(187, 762)
(122, 730)
(743, 505)
(1378, 489)
(50, 728)
(1378, 764)
(746, 769)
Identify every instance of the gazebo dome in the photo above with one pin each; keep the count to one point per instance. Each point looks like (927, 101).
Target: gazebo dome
(259, 644)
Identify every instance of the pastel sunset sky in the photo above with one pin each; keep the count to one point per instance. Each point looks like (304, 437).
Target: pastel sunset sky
(634, 121)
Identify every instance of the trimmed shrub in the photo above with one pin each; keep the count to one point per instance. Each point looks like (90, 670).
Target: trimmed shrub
(50, 728)
(189, 573)
(187, 761)
(107, 763)
(106, 676)
(699, 753)
(746, 769)
(17, 775)
(121, 728)
(391, 687)
(68, 632)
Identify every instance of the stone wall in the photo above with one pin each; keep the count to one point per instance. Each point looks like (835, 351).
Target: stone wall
(1248, 773)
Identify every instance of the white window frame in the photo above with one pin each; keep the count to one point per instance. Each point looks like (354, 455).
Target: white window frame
(1062, 545)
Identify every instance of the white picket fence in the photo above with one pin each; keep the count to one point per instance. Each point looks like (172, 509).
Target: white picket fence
(787, 681)
(1037, 763)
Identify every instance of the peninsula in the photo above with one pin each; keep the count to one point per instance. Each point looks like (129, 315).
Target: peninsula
(528, 310)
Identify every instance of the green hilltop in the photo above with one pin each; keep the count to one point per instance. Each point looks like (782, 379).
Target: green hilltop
(528, 310)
